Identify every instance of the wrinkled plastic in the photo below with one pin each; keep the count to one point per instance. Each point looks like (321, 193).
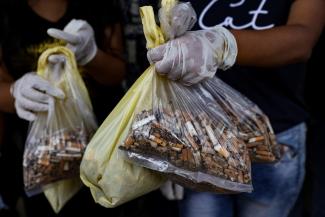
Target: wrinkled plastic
(197, 135)
(59, 193)
(112, 180)
(187, 136)
(57, 138)
(177, 19)
(250, 124)
(179, 136)
(195, 57)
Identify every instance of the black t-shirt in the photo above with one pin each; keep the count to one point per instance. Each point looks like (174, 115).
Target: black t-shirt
(25, 38)
(315, 81)
(279, 92)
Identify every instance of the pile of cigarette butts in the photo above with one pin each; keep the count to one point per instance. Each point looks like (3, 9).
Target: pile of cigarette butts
(54, 156)
(192, 143)
(261, 142)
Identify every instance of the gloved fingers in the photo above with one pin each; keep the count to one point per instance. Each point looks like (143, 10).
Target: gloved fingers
(183, 18)
(31, 105)
(62, 35)
(168, 64)
(25, 114)
(56, 58)
(163, 67)
(182, 63)
(176, 22)
(156, 54)
(179, 192)
(167, 190)
(36, 95)
(47, 88)
(165, 24)
(75, 26)
(192, 78)
(175, 73)
(195, 77)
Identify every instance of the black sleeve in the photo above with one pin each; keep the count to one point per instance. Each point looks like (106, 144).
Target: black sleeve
(2, 23)
(110, 11)
(153, 3)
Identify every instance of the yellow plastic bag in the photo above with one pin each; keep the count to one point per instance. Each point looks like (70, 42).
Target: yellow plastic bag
(57, 139)
(111, 179)
(59, 193)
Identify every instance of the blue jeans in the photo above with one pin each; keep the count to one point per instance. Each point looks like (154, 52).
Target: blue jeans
(2, 204)
(276, 186)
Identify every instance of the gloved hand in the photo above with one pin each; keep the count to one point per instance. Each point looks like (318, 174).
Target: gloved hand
(80, 38)
(32, 93)
(172, 191)
(195, 56)
(191, 57)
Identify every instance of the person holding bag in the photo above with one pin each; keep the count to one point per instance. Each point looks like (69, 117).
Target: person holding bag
(274, 41)
(97, 45)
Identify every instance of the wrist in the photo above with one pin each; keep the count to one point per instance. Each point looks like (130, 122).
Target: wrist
(11, 89)
(6, 99)
(230, 49)
(90, 57)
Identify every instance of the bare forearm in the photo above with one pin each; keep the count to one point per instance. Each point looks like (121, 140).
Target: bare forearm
(274, 47)
(6, 100)
(106, 68)
(285, 44)
(2, 125)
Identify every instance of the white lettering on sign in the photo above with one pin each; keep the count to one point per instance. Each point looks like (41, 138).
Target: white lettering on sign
(230, 22)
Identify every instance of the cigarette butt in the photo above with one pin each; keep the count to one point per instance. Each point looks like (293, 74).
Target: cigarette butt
(72, 149)
(252, 145)
(222, 151)
(208, 150)
(190, 128)
(191, 141)
(153, 144)
(256, 139)
(263, 148)
(157, 135)
(184, 154)
(247, 179)
(129, 141)
(176, 149)
(240, 177)
(265, 158)
(263, 153)
(66, 166)
(157, 140)
(231, 175)
(177, 145)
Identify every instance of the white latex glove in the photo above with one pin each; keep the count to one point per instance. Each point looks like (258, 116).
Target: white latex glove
(179, 20)
(195, 56)
(32, 93)
(172, 191)
(80, 38)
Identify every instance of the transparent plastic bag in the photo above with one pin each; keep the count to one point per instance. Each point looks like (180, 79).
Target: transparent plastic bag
(251, 124)
(183, 138)
(191, 142)
(57, 138)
